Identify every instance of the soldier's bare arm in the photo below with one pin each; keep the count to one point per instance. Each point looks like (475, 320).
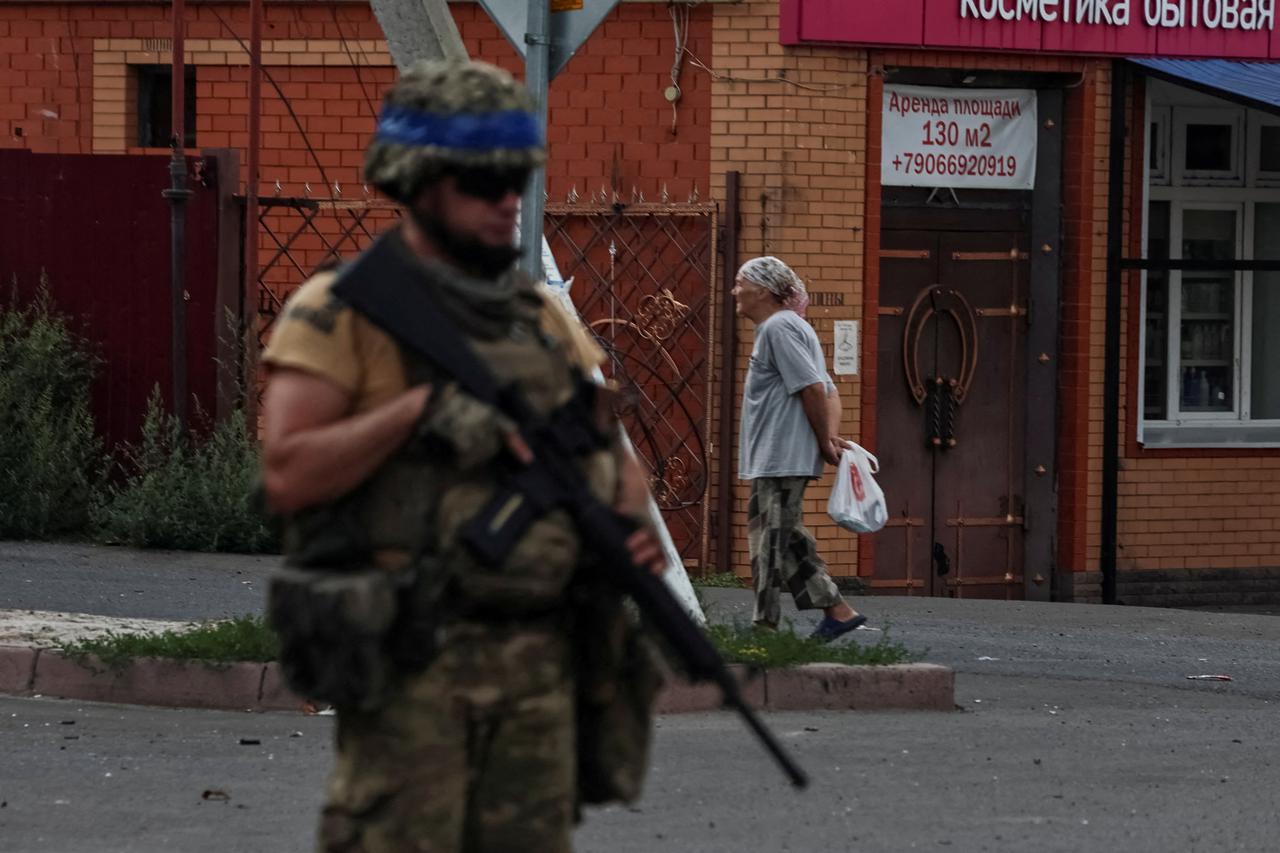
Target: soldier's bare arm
(314, 451)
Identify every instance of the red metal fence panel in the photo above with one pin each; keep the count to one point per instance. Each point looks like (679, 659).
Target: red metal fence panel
(98, 227)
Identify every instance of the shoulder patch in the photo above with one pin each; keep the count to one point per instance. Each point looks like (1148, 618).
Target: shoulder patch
(323, 318)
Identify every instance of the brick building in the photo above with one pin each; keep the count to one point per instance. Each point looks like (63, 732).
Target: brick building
(979, 279)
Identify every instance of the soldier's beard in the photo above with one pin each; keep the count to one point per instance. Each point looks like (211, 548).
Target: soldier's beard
(468, 252)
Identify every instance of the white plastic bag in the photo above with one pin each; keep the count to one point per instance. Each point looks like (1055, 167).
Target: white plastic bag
(857, 502)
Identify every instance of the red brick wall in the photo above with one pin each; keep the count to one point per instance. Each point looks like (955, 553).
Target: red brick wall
(608, 115)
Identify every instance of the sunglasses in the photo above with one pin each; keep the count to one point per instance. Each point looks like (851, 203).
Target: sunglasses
(491, 185)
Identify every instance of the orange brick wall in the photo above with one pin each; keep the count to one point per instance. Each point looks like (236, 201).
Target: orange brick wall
(793, 122)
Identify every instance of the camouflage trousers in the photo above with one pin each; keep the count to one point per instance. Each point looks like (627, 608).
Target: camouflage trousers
(474, 754)
(783, 551)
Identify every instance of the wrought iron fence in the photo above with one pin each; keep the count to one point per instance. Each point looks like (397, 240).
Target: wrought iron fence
(300, 235)
(642, 281)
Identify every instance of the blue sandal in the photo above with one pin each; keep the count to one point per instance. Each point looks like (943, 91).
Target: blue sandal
(831, 629)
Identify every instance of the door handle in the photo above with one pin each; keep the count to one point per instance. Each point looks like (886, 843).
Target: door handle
(941, 562)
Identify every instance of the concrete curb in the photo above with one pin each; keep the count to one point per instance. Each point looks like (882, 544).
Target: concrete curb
(26, 671)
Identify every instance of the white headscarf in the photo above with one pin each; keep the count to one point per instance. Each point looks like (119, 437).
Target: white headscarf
(779, 279)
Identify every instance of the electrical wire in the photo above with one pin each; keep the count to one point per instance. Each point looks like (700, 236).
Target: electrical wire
(355, 66)
(288, 105)
(719, 75)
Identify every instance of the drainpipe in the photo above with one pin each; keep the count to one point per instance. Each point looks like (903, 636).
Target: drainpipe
(178, 195)
(249, 298)
(728, 356)
(1111, 358)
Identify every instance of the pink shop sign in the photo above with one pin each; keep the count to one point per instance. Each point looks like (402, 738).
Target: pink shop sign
(1231, 29)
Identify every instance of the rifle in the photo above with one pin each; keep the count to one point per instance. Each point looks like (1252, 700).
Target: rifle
(385, 286)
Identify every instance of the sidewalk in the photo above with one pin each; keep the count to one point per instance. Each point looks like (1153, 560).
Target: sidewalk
(1063, 642)
(101, 590)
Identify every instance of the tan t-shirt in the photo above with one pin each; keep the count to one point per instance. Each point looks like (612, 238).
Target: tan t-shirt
(320, 335)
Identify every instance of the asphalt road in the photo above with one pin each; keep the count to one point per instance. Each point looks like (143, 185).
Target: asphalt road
(1030, 764)
(1079, 730)
(177, 585)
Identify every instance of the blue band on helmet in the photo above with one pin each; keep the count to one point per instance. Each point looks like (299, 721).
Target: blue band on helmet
(513, 129)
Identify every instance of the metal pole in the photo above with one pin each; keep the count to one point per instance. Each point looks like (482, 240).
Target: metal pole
(728, 357)
(1111, 355)
(178, 195)
(249, 298)
(537, 72)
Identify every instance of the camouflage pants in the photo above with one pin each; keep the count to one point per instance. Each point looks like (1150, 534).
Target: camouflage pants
(474, 754)
(783, 551)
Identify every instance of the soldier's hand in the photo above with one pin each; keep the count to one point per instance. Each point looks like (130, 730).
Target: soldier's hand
(415, 400)
(518, 446)
(646, 551)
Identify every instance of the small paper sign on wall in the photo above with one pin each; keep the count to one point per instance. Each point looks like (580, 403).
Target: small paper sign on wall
(976, 138)
(845, 360)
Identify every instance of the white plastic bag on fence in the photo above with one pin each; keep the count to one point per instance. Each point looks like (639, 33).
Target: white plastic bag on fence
(857, 502)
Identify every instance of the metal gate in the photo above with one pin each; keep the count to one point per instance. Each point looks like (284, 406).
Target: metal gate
(107, 264)
(643, 277)
(951, 414)
(299, 235)
(642, 281)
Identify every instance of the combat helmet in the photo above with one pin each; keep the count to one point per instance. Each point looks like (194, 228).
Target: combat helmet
(451, 114)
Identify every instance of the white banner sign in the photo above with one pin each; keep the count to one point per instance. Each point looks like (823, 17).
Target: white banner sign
(975, 138)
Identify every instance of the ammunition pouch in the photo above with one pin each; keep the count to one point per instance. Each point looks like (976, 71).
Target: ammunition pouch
(617, 678)
(348, 635)
(333, 627)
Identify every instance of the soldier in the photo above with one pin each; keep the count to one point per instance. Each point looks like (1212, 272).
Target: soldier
(375, 460)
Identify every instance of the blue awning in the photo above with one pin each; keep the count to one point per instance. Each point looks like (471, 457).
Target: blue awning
(1254, 84)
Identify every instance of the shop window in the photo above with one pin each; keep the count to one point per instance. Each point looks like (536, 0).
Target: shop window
(154, 105)
(1211, 339)
(1208, 145)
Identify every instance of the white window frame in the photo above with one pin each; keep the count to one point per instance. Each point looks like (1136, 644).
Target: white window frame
(1231, 116)
(1196, 191)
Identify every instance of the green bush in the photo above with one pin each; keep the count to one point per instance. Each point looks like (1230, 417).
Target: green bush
(185, 492)
(49, 454)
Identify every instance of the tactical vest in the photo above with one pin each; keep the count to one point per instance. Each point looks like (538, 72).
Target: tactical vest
(418, 501)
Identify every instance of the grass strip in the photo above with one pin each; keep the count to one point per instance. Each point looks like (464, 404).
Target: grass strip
(771, 649)
(247, 638)
(719, 580)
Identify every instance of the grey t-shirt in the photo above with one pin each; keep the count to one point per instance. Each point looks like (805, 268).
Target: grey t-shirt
(776, 439)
